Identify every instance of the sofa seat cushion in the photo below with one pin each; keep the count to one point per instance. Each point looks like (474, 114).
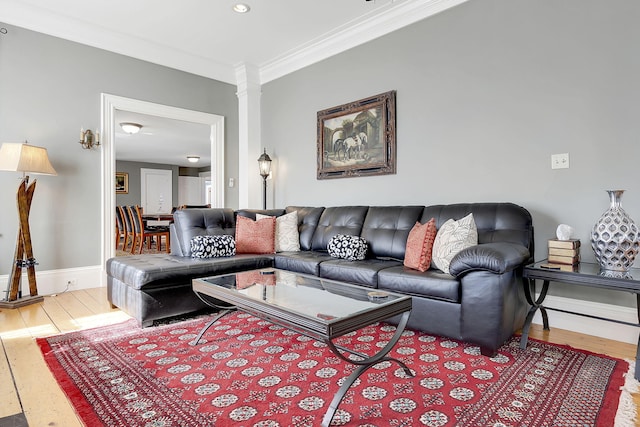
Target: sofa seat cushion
(430, 284)
(157, 270)
(307, 262)
(363, 272)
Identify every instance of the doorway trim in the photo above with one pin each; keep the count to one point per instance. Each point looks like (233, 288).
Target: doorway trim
(112, 103)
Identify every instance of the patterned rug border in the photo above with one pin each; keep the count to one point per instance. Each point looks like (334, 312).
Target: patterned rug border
(622, 409)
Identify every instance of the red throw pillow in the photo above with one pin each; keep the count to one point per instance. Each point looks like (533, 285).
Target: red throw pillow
(255, 237)
(419, 245)
(254, 277)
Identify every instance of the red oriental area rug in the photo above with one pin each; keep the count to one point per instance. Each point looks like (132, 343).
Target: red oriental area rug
(250, 372)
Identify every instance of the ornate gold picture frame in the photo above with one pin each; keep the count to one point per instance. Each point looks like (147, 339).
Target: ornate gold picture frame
(358, 138)
(122, 183)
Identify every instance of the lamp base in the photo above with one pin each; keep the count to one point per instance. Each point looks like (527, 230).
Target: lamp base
(21, 302)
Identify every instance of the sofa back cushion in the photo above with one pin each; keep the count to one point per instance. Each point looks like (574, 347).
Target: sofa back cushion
(496, 222)
(386, 229)
(338, 220)
(308, 218)
(189, 223)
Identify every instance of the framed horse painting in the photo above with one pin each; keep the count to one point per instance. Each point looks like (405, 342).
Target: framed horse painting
(358, 138)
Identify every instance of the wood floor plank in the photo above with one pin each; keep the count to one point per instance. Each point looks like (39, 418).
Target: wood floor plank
(43, 402)
(10, 402)
(37, 321)
(59, 316)
(92, 303)
(10, 322)
(590, 343)
(100, 295)
(73, 305)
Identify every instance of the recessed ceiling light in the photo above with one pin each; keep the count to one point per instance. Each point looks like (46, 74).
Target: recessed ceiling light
(241, 8)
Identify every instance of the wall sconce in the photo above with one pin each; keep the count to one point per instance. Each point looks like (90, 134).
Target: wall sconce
(264, 163)
(88, 139)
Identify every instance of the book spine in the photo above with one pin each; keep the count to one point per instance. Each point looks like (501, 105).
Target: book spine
(564, 244)
(564, 252)
(559, 259)
(561, 267)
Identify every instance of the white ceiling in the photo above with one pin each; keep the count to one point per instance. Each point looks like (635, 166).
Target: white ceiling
(207, 38)
(162, 140)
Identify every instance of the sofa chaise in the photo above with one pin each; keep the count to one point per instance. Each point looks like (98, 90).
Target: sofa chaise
(479, 301)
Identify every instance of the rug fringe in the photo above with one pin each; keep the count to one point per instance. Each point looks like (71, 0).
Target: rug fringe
(627, 412)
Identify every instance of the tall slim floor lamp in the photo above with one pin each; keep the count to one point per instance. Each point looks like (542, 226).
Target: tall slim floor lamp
(264, 163)
(25, 158)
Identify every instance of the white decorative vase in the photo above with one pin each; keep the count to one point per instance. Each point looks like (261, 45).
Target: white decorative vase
(615, 237)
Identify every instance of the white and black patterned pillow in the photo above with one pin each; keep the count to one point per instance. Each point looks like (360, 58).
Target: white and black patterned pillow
(347, 247)
(213, 246)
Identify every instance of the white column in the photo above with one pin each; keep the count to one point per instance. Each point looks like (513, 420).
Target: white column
(249, 180)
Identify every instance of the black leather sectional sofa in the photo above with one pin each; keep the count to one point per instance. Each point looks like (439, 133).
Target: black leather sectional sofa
(481, 301)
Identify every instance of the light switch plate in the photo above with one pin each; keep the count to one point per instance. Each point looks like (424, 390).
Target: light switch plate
(560, 161)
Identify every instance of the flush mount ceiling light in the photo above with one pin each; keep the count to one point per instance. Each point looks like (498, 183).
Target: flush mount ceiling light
(130, 128)
(241, 8)
(193, 159)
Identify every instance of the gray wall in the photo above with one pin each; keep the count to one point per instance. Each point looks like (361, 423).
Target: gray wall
(49, 88)
(486, 92)
(134, 197)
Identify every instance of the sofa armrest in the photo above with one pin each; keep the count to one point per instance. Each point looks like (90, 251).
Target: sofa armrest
(493, 257)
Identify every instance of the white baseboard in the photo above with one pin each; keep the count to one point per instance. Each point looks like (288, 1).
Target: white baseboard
(589, 326)
(56, 281)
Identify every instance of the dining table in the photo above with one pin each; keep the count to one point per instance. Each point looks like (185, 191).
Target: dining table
(158, 217)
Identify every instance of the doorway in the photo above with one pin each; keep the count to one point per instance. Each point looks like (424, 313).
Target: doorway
(112, 104)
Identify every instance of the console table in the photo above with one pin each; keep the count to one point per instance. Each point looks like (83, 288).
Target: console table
(583, 274)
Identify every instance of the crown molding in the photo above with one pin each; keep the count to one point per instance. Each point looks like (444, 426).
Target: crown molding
(354, 34)
(387, 19)
(41, 20)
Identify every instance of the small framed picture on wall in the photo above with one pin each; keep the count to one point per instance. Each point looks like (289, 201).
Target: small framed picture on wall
(122, 183)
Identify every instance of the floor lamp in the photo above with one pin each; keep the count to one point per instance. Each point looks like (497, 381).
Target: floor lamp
(25, 158)
(264, 163)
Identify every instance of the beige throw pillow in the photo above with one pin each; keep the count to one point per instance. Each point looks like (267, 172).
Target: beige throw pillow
(287, 235)
(453, 237)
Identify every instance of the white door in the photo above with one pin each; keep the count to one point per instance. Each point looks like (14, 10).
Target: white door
(191, 191)
(156, 190)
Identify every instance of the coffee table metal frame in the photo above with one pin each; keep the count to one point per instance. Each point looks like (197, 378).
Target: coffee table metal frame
(325, 330)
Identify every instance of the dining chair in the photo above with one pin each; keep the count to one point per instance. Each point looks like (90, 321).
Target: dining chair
(148, 233)
(130, 231)
(121, 232)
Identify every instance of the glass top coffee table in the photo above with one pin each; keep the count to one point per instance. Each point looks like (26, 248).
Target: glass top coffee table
(320, 308)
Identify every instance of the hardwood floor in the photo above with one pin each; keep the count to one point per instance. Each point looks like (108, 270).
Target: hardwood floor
(26, 385)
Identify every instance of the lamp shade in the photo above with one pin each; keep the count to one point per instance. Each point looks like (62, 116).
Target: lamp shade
(22, 157)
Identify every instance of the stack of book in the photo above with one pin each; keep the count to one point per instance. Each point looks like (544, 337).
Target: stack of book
(564, 253)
